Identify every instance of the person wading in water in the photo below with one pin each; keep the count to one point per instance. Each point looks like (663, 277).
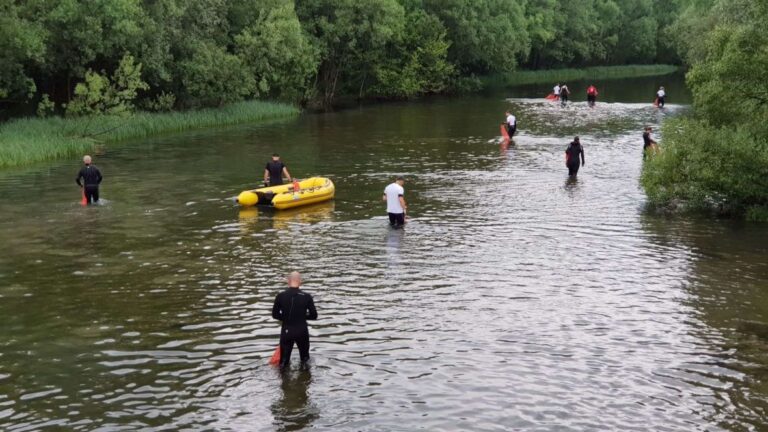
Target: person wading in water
(564, 93)
(275, 170)
(293, 307)
(591, 95)
(91, 180)
(572, 154)
(393, 195)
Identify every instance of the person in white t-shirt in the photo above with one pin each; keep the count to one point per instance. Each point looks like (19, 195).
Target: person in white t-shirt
(660, 95)
(556, 90)
(511, 123)
(393, 195)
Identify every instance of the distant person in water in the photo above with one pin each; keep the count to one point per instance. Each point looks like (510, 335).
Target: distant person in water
(293, 307)
(564, 93)
(556, 91)
(648, 143)
(275, 170)
(91, 179)
(572, 154)
(661, 96)
(591, 95)
(511, 124)
(396, 207)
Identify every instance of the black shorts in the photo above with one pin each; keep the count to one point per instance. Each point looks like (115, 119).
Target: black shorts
(396, 219)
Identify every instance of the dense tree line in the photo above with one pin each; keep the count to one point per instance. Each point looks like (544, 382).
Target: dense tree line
(86, 55)
(718, 158)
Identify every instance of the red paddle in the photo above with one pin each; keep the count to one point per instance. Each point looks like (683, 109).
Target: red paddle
(84, 200)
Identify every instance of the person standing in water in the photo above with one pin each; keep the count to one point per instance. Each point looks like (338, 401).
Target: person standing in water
(564, 93)
(91, 177)
(511, 123)
(591, 95)
(572, 154)
(556, 91)
(275, 170)
(661, 95)
(648, 143)
(293, 307)
(396, 207)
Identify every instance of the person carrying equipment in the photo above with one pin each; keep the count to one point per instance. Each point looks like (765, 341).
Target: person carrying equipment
(591, 95)
(275, 170)
(648, 142)
(572, 154)
(511, 123)
(293, 307)
(661, 96)
(91, 180)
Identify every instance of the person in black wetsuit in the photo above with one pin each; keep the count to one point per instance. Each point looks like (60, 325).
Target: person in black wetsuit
(572, 154)
(564, 93)
(91, 179)
(648, 142)
(294, 307)
(274, 171)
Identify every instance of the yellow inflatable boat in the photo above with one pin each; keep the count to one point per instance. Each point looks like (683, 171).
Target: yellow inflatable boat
(310, 191)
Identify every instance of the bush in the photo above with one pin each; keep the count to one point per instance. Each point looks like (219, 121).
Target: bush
(707, 168)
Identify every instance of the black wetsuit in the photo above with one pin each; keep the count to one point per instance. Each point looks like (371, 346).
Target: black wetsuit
(275, 169)
(564, 92)
(91, 179)
(294, 307)
(573, 151)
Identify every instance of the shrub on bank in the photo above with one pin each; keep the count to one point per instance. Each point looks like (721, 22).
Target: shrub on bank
(703, 167)
(30, 140)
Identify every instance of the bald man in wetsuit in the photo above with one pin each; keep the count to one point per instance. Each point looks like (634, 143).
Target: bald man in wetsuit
(294, 307)
(91, 177)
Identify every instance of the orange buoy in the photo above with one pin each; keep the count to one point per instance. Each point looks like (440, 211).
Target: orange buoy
(275, 359)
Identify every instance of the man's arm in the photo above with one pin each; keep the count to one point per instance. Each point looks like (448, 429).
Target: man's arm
(286, 173)
(266, 175)
(402, 202)
(276, 312)
(79, 176)
(100, 176)
(311, 311)
(582, 158)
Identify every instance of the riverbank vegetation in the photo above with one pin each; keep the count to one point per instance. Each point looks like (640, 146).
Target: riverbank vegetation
(717, 160)
(205, 53)
(551, 76)
(30, 140)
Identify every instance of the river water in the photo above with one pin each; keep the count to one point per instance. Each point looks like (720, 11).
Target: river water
(514, 299)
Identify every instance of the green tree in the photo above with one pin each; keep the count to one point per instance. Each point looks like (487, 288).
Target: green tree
(418, 59)
(99, 94)
(274, 48)
(484, 35)
(22, 44)
(212, 77)
(351, 37)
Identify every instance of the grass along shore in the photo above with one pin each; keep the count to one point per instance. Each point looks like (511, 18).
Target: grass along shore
(29, 140)
(560, 75)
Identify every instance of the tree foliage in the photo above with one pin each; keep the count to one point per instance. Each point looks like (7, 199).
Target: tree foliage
(719, 159)
(196, 53)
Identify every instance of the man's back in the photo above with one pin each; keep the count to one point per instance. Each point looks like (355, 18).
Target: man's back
(393, 192)
(294, 307)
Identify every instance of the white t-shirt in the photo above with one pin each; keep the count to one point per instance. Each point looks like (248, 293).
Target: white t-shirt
(661, 93)
(393, 193)
(557, 90)
(511, 120)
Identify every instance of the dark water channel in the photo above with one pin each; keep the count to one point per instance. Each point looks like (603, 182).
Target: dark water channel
(514, 299)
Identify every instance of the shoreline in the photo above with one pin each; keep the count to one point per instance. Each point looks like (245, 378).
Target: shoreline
(30, 140)
(26, 141)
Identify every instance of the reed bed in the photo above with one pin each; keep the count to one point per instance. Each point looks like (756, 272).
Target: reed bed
(29, 140)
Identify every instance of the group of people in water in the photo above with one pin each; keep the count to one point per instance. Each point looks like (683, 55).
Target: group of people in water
(574, 153)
